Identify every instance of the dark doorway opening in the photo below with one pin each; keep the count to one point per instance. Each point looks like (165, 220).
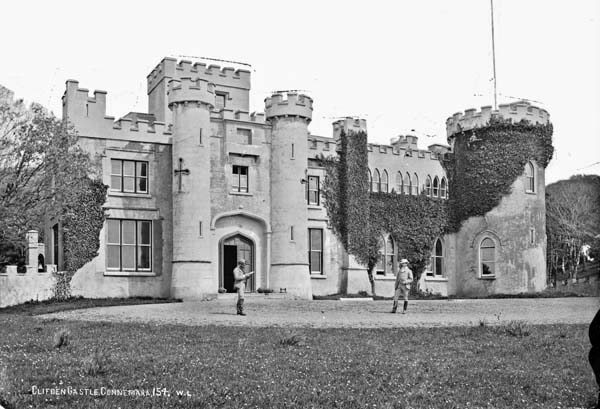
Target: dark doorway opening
(233, 249)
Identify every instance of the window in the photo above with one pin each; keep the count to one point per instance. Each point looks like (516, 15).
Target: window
(529, 178)
(415, 185)
(128, 176)
(443, 189)
(315, 250)
(244, 136)
(220, 100)
(408, 185)
(437, 259)
(385, 264)
(487, 257)
(313, 190)
(384, 182)
(370, 180)
(428, 186)
(531, 235)
(291, 233)
(436, 183)
(128, 245)
(399, 183)
(240, 179)
(376, 181)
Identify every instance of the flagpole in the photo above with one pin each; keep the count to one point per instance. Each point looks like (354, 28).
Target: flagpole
(494, 57)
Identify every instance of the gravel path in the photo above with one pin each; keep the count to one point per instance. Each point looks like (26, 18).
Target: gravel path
(263, 312)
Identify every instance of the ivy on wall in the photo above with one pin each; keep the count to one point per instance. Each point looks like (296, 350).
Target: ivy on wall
(82, 219)
(486, 161)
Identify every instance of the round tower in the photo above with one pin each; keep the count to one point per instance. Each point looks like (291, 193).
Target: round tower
(190, 101)
(503, 250)
(289, 216)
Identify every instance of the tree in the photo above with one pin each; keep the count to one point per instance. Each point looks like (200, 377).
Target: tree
(572, 221)
(44, 175)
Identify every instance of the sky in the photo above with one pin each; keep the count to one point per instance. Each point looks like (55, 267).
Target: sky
(404, 66)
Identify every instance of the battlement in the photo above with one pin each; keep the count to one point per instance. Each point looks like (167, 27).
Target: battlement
(348, 124)
(88, 116)
(296, 105)
(405, 141)
(224, 76)
(516, 112)
(191, 90)
(243, 116)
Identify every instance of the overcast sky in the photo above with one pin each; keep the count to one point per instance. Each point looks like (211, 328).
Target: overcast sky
(401, 65)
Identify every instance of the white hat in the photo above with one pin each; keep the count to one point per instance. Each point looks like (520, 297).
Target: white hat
(404, 261)
(241, 261)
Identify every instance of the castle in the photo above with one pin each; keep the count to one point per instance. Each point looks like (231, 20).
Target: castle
(198, 183)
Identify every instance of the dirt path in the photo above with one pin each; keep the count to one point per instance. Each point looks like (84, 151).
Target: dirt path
(351, 314)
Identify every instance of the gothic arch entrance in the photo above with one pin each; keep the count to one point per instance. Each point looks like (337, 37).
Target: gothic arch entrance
(233, 249)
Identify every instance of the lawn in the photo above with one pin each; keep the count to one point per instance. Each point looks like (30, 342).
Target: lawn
(232, 367)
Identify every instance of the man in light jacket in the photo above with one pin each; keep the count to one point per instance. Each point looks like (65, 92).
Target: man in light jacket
(240, 277)
(403, 279)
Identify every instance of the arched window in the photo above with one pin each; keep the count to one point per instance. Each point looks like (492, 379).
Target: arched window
(436, 184)
(443, 189)
(437, 259)
(384, 182)
(415, 185)
(389, 255)
(380, 266)
(376, 181)
(487, 258)
(408, 184)
(370, 180)
(428, 186)
(399, 183)
(529, 177)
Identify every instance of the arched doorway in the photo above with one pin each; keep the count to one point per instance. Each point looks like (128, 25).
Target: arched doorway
(232, 249)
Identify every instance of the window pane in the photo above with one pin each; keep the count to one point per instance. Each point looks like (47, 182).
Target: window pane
(115, 167)
(389, 269)
(487, 268)
(487, 243)
(438, 266)
(115, 182)
(128, 257)
(143, 257)
(313, 197)
(112, 256)
(315, 261)
(113, 233)
(438, 248)
(487, 254)
(316, 239)
(243, 183)
(243, 170)
(143, 232)
(313, 182)
(142, 169)
(128, 168)
(128, 184)
(128, 234)
(142, 185)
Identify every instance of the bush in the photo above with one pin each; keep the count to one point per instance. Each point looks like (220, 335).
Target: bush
(264, 290)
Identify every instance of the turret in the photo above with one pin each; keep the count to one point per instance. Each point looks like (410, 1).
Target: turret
(289, 218)
(348, 124)
(190, 101)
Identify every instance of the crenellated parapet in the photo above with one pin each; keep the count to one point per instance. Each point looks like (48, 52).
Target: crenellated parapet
(188, 90)
(296, 105)
(225, 76)
(516, 112)
(348, 124)
(238, 115)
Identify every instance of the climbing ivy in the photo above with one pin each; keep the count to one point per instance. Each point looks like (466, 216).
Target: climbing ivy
(487, 160)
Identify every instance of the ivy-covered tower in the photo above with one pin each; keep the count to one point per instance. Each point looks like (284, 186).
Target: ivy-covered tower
(191, 101)
(497, 199)
(289, 218)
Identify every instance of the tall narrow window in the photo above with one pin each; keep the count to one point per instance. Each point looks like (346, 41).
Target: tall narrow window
(315, 251)
(529, 178)
(384, 181)
(428, 186)
(415, 185)
(389, 255)
(55, 246)
(220, 99)
(443, 188)
(291, 233)
(313, 190)
(370, 180)
(531, 235)
(240, 179)
(200, 229)
(128, 176)
(437, 259)
(408, 184)
(380, 266)
(399, 184)
(376, 181)
(292, 150)
(200, 137)
(487, 257)
(128, 245)
(436, 183)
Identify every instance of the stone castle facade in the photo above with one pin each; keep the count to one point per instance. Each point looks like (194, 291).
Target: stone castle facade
(198, 182)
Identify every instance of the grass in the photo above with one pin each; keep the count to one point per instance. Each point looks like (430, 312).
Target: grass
(482, 366)
(75, 303)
